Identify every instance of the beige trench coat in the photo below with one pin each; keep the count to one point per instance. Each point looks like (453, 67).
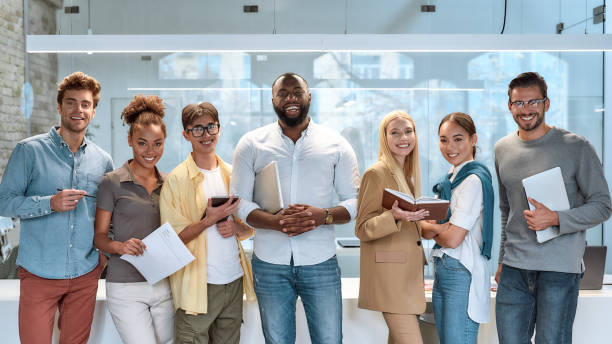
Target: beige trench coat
(392, 256)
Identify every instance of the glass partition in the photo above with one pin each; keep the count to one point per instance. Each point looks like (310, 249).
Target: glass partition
(351, 92)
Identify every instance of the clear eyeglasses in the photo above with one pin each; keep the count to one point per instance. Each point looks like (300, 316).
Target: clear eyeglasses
(531, 103)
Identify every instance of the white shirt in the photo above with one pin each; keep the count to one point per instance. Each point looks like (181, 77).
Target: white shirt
(467, 212)
(222, 255)
(319, 163)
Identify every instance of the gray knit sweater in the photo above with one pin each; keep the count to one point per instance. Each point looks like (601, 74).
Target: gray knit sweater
(587, 191)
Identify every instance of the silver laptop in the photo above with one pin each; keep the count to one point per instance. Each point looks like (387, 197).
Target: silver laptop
(267, 191)
(595, 263)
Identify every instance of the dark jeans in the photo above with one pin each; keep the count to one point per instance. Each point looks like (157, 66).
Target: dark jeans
(526, 298)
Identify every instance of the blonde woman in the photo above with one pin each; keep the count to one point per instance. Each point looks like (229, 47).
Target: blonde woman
(392, 256)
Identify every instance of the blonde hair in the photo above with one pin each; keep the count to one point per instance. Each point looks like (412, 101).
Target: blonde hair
(411, 171)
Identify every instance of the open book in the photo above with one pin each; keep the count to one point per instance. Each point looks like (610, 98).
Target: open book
(438, 208)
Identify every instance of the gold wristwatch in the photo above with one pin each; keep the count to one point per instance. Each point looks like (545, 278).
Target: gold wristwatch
(329, 218)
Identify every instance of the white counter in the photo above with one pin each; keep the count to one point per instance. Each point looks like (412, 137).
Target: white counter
(592, 324)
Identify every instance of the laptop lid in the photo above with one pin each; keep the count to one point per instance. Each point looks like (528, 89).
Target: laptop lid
(349, 242)
(267, 190)
(594, 262)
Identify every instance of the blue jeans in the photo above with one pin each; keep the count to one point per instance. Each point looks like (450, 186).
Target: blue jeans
(450, 298)
(526, 298)
(277, 288)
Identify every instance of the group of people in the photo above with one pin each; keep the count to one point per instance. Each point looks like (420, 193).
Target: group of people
(71, 200)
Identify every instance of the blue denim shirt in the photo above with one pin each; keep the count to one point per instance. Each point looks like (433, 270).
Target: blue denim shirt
(55, 245)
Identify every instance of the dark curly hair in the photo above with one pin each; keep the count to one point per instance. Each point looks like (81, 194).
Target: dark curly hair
(143, 111)
(79, 81)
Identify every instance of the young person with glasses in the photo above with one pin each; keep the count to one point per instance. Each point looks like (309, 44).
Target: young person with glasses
(129, 198)
(539, 282)
(461, 291)
(207, 292)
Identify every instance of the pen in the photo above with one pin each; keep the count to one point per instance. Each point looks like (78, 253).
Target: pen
(58, 189)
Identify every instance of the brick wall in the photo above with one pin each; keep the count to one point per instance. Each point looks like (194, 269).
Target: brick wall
(43, 73)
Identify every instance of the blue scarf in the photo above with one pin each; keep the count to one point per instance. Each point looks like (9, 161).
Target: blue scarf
(443, 190)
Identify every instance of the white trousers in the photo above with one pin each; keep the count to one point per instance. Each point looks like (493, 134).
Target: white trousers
(142, 313)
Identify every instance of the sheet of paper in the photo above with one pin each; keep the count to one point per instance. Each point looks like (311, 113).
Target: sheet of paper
(165, 254)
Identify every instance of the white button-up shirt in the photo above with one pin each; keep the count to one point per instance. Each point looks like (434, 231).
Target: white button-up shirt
(320, 165)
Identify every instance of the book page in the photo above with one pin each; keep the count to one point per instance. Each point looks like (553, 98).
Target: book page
(430, 200)
(401, 195)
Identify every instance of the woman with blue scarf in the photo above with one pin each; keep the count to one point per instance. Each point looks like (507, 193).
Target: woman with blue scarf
(461, 295)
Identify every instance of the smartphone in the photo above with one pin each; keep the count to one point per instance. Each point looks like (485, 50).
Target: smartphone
(217, 201)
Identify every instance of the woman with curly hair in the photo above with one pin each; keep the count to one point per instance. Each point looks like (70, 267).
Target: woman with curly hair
(129, 198)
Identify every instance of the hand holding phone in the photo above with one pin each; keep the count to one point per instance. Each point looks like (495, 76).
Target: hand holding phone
(221, 207)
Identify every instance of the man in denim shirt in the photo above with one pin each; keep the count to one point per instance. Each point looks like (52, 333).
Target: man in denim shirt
(59, 266)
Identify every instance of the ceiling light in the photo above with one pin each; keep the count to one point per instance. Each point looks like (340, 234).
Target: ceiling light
(315, 43)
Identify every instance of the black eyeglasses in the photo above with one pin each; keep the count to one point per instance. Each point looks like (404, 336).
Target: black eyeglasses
(198, 130)
(531, 103)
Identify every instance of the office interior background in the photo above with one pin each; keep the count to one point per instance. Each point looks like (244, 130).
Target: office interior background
(351, 89)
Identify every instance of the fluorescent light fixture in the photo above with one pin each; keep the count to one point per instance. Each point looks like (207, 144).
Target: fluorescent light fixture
(189, 89)
(381, 89)
(315, 43)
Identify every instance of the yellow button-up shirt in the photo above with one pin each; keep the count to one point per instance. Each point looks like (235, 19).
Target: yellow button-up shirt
(182, 202)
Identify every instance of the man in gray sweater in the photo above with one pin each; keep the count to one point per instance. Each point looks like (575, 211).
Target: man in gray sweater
(538, 282)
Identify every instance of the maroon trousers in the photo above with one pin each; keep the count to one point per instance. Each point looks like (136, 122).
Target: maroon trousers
(41, 297)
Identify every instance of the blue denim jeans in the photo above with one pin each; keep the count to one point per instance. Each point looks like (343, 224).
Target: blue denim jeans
(526, 298)
(277, 288)
(450, 298)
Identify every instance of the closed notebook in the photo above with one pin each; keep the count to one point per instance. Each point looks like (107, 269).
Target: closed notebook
(438, 208)
(547, 188)
(267, 191)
